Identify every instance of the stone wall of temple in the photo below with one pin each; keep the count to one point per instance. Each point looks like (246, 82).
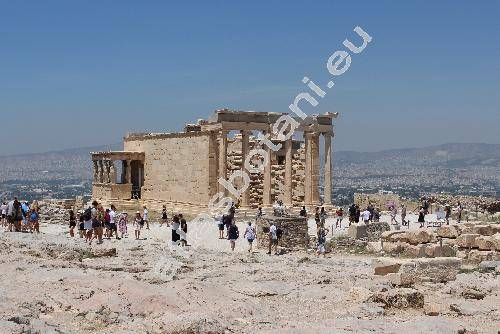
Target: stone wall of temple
(178, 167)
(235, 162)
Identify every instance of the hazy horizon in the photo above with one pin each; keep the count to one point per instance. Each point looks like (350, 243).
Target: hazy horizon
(81, 74)
(336, 150)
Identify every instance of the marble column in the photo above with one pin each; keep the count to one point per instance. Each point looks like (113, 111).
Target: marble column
(128, 174)
(288, 173)
(223, 159)
(315, 169)
(328, 168)
(307, 172)
(267, 186)
(245, 148)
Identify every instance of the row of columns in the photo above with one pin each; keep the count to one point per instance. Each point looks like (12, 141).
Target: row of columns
(312, 170)
(105, 171)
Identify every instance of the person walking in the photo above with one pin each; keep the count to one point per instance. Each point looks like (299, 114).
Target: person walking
(81, 226)
(106, 223)
(17, 215)
(403, 215)
(3, 212)
(98, 227)
(317, 217)
(358, 214)
(233, 234)
(303, 212)
(394, 213)
(72, 223)
(340, 216)
(87, 216)
(184, 229)
(220, 225)
(421, 217)
(322, 233)
(371, 209)
(352, 214)
(447, 211)
(259, 214)
(113, 227)
(164, 217)
(250, 235)
(366, 217)
(273, 239)
(34, 224)
(322, 216)
(97, 220)
(176, 224)
(145, 217)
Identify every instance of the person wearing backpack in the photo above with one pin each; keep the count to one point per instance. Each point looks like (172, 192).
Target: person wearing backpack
(233, 234)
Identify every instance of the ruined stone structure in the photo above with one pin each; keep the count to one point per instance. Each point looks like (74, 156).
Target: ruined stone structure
(295, 231)
(184, 168)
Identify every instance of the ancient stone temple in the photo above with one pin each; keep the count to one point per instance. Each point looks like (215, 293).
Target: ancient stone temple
(183, 169)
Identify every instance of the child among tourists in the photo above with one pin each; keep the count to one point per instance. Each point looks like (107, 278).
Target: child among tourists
(122, 224)
(138, 224)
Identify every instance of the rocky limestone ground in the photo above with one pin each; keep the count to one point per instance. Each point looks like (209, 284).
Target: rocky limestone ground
(51, 283)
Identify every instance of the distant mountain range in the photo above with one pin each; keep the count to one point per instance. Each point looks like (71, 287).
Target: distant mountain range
(453, 155)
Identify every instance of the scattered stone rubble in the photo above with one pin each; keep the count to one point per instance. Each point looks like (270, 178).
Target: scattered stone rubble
(405, 272)
(368, 232)
(473, 242)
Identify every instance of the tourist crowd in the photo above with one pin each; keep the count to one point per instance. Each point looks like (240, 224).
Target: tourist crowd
(97, 223)
(20, 216)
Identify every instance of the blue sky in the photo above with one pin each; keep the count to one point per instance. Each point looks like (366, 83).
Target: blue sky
(82, 73)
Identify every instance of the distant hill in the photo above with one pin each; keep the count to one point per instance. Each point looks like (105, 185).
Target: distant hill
(453, 155)
(69, 164)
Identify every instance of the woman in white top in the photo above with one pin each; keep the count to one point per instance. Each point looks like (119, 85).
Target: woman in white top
(250, 234)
